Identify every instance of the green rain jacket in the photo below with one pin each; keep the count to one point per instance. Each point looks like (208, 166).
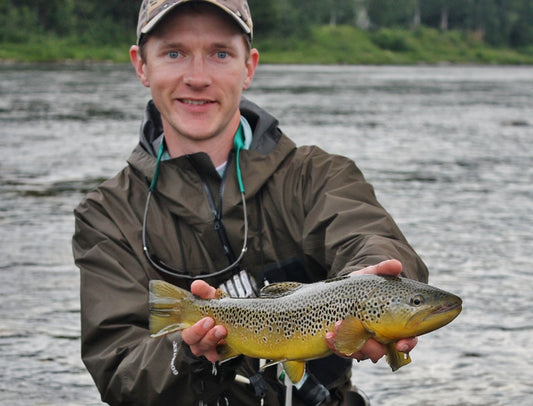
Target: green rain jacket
(311, 216)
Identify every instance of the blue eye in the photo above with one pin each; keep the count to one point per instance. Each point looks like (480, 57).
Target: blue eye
(222, 54)
(173, 54)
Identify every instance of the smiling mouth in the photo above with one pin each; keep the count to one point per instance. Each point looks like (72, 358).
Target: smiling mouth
(195, 102)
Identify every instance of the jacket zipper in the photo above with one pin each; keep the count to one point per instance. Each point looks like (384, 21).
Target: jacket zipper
(216, 210)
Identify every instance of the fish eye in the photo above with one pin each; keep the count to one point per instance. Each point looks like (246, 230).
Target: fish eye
(417, 300)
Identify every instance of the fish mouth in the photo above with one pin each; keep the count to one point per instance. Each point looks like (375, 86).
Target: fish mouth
(439, 316)
(448, 307)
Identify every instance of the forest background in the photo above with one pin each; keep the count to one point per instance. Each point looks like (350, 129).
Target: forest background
(290, 31)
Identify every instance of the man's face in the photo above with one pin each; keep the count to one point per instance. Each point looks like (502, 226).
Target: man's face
(197, 65)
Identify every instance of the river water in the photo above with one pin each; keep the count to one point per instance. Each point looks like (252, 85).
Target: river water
(449, 150)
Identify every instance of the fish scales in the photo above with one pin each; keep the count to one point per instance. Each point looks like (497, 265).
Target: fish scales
(306, 311)
(288, 322)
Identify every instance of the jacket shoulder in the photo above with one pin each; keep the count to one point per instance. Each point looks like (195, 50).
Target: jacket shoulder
(314, 159)
(113, 195)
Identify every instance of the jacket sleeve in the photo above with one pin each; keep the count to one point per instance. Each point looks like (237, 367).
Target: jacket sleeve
(128, 366)
(345, 227)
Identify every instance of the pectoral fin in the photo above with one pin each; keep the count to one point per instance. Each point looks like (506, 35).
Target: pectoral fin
(295, 370)
(351, 336)
(395, 358)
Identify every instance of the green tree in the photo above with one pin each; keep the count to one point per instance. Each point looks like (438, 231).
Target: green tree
(391, 13)
(521, 24)
(106, 21)
(266, 17)
(17, 23)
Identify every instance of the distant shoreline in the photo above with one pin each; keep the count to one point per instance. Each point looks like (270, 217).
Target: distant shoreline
(325, 45)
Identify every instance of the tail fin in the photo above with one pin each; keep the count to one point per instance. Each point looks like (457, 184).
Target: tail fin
(169, 306)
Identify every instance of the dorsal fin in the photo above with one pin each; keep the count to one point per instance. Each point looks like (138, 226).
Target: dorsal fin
(279, 289)
(337, 278)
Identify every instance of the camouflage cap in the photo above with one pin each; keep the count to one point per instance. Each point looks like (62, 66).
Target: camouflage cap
(152, 11)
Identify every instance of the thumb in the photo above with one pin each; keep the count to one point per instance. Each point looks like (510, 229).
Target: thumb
(391, 267)
(202, 289)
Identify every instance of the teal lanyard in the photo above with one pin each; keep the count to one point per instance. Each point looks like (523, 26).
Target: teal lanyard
(157, 162)
(238, 144)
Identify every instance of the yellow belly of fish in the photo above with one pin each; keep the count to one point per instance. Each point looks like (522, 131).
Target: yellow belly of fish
(277, 347)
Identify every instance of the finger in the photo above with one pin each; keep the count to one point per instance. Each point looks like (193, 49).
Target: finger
(407, 344)
(391, 267)
(330, 341)
(208, 345)
(372, 349)
(203, 289)
(203, 338)
(194, 334)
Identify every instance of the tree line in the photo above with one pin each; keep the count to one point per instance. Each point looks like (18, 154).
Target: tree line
(506, 23)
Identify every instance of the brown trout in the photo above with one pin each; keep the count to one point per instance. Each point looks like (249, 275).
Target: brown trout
(289, 321)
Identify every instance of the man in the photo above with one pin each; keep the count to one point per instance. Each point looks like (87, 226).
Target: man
(213, 173)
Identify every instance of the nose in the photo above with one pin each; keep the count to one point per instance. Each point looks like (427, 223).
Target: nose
(197, 73)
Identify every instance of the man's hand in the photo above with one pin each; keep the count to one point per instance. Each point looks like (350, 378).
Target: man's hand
(204, 336)
(372, 349)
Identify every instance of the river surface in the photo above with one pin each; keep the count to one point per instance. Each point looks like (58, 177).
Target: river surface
(449, 150)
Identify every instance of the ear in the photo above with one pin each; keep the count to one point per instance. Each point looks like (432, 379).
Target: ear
(251, 65)
(139, 65)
